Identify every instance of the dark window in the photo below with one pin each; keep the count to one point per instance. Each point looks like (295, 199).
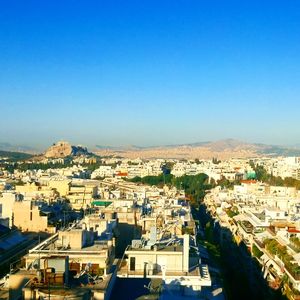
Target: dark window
(132, 263)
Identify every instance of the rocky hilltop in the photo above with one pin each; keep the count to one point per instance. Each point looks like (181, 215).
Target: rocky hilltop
(63, 149)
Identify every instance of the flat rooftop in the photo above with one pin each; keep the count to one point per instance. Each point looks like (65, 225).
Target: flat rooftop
(169, 248)
(51, 246)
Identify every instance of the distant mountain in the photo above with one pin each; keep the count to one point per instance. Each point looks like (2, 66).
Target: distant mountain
(227, 144)
(135, 147)
(17, 148)
(14, 155)
(273, 150)
(222, 148)
(121, 148)
(215, 146)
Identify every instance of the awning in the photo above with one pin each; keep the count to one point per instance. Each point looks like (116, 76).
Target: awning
(101, 203)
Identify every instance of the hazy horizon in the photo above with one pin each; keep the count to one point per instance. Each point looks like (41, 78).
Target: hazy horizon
(149, 73)
(41, 148)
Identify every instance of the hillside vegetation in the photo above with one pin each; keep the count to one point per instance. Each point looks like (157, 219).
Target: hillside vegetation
(14, 155)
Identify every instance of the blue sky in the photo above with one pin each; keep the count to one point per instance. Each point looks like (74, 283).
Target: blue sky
(149, 72)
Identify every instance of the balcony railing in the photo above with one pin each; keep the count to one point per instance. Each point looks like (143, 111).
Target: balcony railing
(125, 271)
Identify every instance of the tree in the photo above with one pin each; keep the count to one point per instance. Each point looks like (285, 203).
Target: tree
(256, 252)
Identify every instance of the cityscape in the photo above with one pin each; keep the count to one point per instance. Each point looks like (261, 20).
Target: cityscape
(149, 150)
(76, 225)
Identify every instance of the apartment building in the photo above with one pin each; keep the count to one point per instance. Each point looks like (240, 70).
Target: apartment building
(259, 216)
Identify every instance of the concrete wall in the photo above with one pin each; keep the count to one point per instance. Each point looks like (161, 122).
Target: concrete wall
(76, 238)
(6, 205)
(27, 217)
(173, 261)
(62, 186)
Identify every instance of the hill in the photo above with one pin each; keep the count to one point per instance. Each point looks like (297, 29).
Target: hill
(17, 148)
(222, 149)
(64, 149)
(14, 155)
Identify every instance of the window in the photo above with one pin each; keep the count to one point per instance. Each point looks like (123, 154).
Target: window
(132, 263)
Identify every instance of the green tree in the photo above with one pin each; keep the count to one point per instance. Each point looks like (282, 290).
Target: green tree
(256, 252)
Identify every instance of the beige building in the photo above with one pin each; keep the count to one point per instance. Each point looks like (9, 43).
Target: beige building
(81, 196)
(83, 247)
(36, 190)
(7, 202)
(54, 278)
(76, 263)
(27, 216)
(61, 186)
(28, 188)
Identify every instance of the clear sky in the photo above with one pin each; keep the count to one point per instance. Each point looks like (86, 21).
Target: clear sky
(149, 72)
